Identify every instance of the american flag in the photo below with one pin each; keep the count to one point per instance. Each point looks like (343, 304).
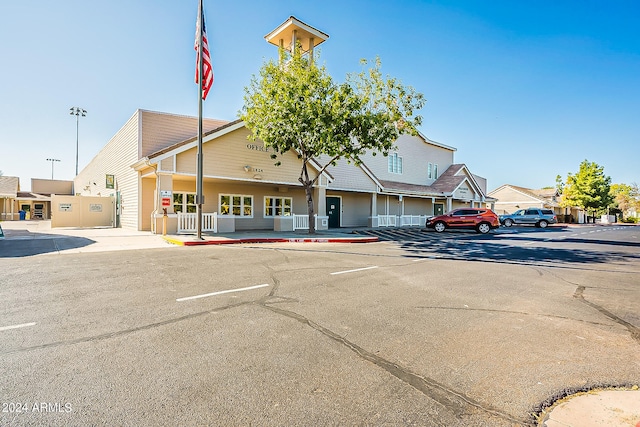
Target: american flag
(207, 72)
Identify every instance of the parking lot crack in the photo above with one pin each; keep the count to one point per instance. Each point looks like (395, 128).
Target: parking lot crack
(123, 332)
(453, 400)
(633, 330)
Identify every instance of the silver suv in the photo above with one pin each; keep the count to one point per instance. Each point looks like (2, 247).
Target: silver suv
(530, 216)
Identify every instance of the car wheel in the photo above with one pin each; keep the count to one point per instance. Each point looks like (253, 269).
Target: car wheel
(543, 224)
(439, 226)
(483, 228)
(508, 222)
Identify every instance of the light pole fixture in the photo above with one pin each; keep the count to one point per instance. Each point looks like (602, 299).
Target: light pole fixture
(77, 111)
(52, 161)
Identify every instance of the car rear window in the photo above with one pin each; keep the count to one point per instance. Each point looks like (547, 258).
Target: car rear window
(547, 212)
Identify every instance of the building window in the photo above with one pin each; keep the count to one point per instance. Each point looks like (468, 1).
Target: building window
(429, 171)
(184, 202)
(435, 171)
(395, 163)
(277, 206)
(236, 205)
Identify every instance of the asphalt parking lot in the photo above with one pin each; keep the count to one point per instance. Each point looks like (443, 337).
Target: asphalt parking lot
(452, 329)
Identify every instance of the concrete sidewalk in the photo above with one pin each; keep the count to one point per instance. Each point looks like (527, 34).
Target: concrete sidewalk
(265, 236)
(597, 408)
(25, 238)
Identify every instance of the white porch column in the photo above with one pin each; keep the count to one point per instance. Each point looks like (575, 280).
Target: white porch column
(373, 211)
(449, 205)
(320, 197)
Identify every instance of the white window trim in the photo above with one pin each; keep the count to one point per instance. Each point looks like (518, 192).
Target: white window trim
(242, 197)
(394, 164)
(184, 200)
(430, 171)
(435, 171)
(264, 213)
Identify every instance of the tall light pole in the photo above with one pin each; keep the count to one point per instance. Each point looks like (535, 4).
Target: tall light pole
(77, 111)
(52, 160)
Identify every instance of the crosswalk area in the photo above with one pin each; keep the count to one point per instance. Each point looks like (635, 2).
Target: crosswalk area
(415, 234)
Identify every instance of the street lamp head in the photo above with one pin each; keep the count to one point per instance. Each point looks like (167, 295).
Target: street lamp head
(77, 111)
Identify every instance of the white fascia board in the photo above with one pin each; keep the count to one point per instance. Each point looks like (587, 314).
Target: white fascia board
(469, 179)
(437, 144)
(370, 174)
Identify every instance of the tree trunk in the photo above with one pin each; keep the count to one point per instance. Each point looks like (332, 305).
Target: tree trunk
(308, 189)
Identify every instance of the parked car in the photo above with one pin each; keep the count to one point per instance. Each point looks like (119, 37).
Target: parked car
(482, 220)
(530, 216)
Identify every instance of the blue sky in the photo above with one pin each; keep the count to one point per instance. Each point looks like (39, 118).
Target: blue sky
(525, 90)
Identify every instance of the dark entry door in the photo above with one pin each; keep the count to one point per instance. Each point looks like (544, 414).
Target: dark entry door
(333, 211)
(438, 209)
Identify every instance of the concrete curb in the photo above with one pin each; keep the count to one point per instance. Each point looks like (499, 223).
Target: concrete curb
(228, 241)
(595, 408)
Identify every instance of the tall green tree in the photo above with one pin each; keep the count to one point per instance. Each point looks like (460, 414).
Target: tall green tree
(295, 105)
(626, 197)
(589, 188)
(559, 184)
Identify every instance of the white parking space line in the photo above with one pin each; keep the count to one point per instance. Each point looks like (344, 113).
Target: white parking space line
(352, 271)
(23, 325)
(228, 291)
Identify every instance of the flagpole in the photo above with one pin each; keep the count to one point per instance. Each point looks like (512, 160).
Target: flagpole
(199, 179)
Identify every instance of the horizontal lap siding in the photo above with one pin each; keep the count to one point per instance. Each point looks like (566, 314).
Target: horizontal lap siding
(161, 130)
(227, 155)
(355, 209)
(116, 158)
(348, 176)
(414, 206)
(416, 154)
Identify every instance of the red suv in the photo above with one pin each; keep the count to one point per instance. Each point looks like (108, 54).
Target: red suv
(482, 220)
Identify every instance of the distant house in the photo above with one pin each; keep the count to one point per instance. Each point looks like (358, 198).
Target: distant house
(35, 204)
(9, 187)
(510, 198)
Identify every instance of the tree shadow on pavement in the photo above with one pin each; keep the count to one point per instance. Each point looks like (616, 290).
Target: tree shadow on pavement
(484, 250)
(37, 244)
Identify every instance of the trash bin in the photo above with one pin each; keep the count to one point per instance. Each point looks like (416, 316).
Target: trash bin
(23, 215)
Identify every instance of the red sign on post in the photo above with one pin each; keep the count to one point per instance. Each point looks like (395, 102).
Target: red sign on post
(166, 201)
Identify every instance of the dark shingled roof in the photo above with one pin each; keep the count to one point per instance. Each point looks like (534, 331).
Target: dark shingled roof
(449, 181)
(445, 184)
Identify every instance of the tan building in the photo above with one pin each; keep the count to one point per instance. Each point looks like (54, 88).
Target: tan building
(510, 198)
(34, 204)
(150, 165)
(9, 188)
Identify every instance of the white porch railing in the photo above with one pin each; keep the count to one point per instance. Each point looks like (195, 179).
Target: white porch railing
(301, 222)
(401, 221)
(187, 222)
(412, 220)
(387, 220)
